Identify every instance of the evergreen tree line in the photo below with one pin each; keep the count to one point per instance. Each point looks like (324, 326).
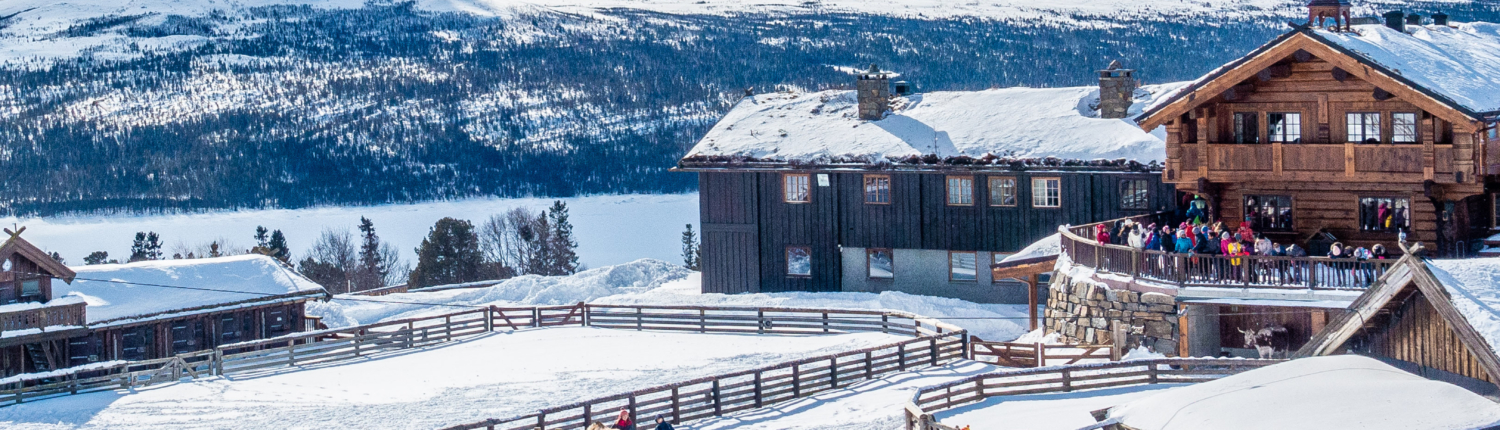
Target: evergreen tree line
(517, 242)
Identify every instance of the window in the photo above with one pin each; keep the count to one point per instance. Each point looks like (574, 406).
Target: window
(1135, 194)
(877, 189)
(795, 188)
(1364, 127)
(31, 288)
(1495, 213)
(962, 266)
(1269, 213)
(881, 263)
(1404, 127)
(960, 190)
(1246, 127)
(1002, 191)
(1384, 213)
(1046, 192)
(1284, 127)
(798, 261)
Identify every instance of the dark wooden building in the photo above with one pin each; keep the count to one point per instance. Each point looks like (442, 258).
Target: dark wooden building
(140, 311)
(816, 192)
(1360, 131)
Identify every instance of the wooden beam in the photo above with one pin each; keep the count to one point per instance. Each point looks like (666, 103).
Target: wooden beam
(1031, 299)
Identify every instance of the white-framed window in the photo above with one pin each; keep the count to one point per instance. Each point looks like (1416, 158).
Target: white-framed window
(1046, 192)
(1363, 127)
(1284, 127)
(795, 188)
(960, 191)
(963, 266)
(1002, 191)
(798, 261)
(881, 263)
(1404, 127)
(878, 189)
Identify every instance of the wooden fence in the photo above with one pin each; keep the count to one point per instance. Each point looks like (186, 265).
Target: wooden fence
(1013, 354)
(1204, 270)
(933, 343)
(1056, 379)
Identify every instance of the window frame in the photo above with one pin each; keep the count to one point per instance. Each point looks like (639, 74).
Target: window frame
(869, 262)
(1360, 215)
(1416, 128)
(786, 187)
(788, 255)
(1364, 126)
(974, 254)
(1291, 203)
(1145, 186)
(1034, 195)
(868, 180)
(996, 184)
(1291, 128)
(948, 187)
(1242, 133)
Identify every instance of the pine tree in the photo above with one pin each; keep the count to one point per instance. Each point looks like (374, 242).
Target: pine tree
(277, 247)
(563, 249)
(691, 256)
(147, 246)
(374, 264)
(96, 257)
(213, 250)
(58, 258)
(260, 237)
(449, 255)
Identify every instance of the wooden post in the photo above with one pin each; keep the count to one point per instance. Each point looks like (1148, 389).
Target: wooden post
(797, 380)
(676, 406)
(760, 321)
(410, 333)
(901, 357)
(638, 319)
(489, 319)
(588, 414)
(1151, 373)
(632, 409)
(1040, 350)
(885, 323)
(934, 352)
(218, 362)
(1067, 380)
(447, 328)
(718, 410)
(702, 321)
(869, 370)
(541, 420)
(1031, 298)
(833, 372)
(757, 389)
(291, 354)
(536, 317)
(1117, 336)
(825, 322)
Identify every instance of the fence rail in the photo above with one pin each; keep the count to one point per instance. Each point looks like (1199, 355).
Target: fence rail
(1014, 354)
(1056, 379)
(71, 314)
(933, 342)
(1205, 270)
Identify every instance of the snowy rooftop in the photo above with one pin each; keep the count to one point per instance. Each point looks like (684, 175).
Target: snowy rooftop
(115, 291)
(1461, 63)
(1341, 391)
(1049, 246)
(824, 127)
(1474, 288)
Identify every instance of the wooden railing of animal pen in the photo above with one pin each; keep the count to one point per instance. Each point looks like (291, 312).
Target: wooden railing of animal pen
(1184, 269)
(1058, 379)
(934, 342)
(1015, 354)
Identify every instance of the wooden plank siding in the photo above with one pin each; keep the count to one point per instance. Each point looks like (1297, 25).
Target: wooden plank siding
(1416, 334)
(747, 224)
(1334, 208)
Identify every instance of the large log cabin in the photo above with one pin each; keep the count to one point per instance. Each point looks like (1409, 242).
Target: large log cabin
(1362, 132)
(874, 190)
(139, 311)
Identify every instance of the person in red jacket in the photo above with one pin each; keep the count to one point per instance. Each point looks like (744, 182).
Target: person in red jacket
(624, 423)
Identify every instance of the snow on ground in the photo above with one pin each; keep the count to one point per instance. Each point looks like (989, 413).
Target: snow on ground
(870, 405)
(611, 229)
(1046, 411)
(654, 282)
(497, 375)
(1342, 391)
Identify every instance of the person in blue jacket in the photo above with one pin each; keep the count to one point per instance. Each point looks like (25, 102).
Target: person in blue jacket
(662, 424)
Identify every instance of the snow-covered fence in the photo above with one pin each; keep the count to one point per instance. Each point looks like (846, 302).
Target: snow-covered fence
(1012, 354)
(1056, 379)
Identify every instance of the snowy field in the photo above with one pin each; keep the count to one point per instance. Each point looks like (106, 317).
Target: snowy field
(610, 229)
(496, 375)
(654, 282)
(1047, 411)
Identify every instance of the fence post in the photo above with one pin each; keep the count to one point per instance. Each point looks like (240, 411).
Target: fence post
(760, 321)
(1040, 350)
(1117, 350)
(218, 362)
(833, 372)
(676, 407)
(585, 308)
(291, 353)
(885, 323)
(638, 319)
(901, 357)
(825, 322)
(410, 333)
(541, 420)
(1151, 372)
(632, 409)
(536, 316)
(1182, 262)
(1135, 262)
(588, 414)
(869, 370)
(1067, 380)
(702, 321)
(718, 410)
(447, 328)
(757, 389)
(489, 320)
(797, 380)
(934, 352)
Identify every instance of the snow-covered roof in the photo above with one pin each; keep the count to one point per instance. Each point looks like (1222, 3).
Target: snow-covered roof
(1460, 63)
(1341, 391)
(117, 291)
(1049, 246)
(823, 127)
(1473, 287)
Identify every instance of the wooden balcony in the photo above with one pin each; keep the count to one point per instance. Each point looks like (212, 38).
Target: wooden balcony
(71, 314)
(1343, 162)
(1200, 270)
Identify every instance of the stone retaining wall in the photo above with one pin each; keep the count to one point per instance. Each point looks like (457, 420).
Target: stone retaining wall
(1083, 311)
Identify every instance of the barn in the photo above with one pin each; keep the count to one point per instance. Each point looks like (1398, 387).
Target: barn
(874, 190)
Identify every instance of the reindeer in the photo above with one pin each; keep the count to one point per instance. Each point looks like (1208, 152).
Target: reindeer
(1269, 342)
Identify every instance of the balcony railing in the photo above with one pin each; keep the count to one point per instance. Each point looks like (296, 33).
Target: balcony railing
(1201, 270)
(70, 314)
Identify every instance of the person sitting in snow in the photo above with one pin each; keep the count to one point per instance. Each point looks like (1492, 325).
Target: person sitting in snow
(661, 423)
(624, 423)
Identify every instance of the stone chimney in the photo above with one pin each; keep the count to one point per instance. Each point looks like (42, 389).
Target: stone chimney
(1440, 19)
(1323, 10)
(1116, 91)
(874, 89)
(1395, 20)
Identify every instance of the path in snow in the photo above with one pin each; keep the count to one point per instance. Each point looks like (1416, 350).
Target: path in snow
(876, 404)
(1047, 411)
(610, 229)
(497, 375)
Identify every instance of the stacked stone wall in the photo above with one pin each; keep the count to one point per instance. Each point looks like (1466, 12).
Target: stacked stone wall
(1083, 311)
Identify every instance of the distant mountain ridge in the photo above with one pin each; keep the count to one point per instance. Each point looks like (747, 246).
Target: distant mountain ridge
(203, 104)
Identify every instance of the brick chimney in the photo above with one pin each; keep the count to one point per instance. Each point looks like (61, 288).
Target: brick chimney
(1116, 91)
(1323, 10)
(874, 90)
